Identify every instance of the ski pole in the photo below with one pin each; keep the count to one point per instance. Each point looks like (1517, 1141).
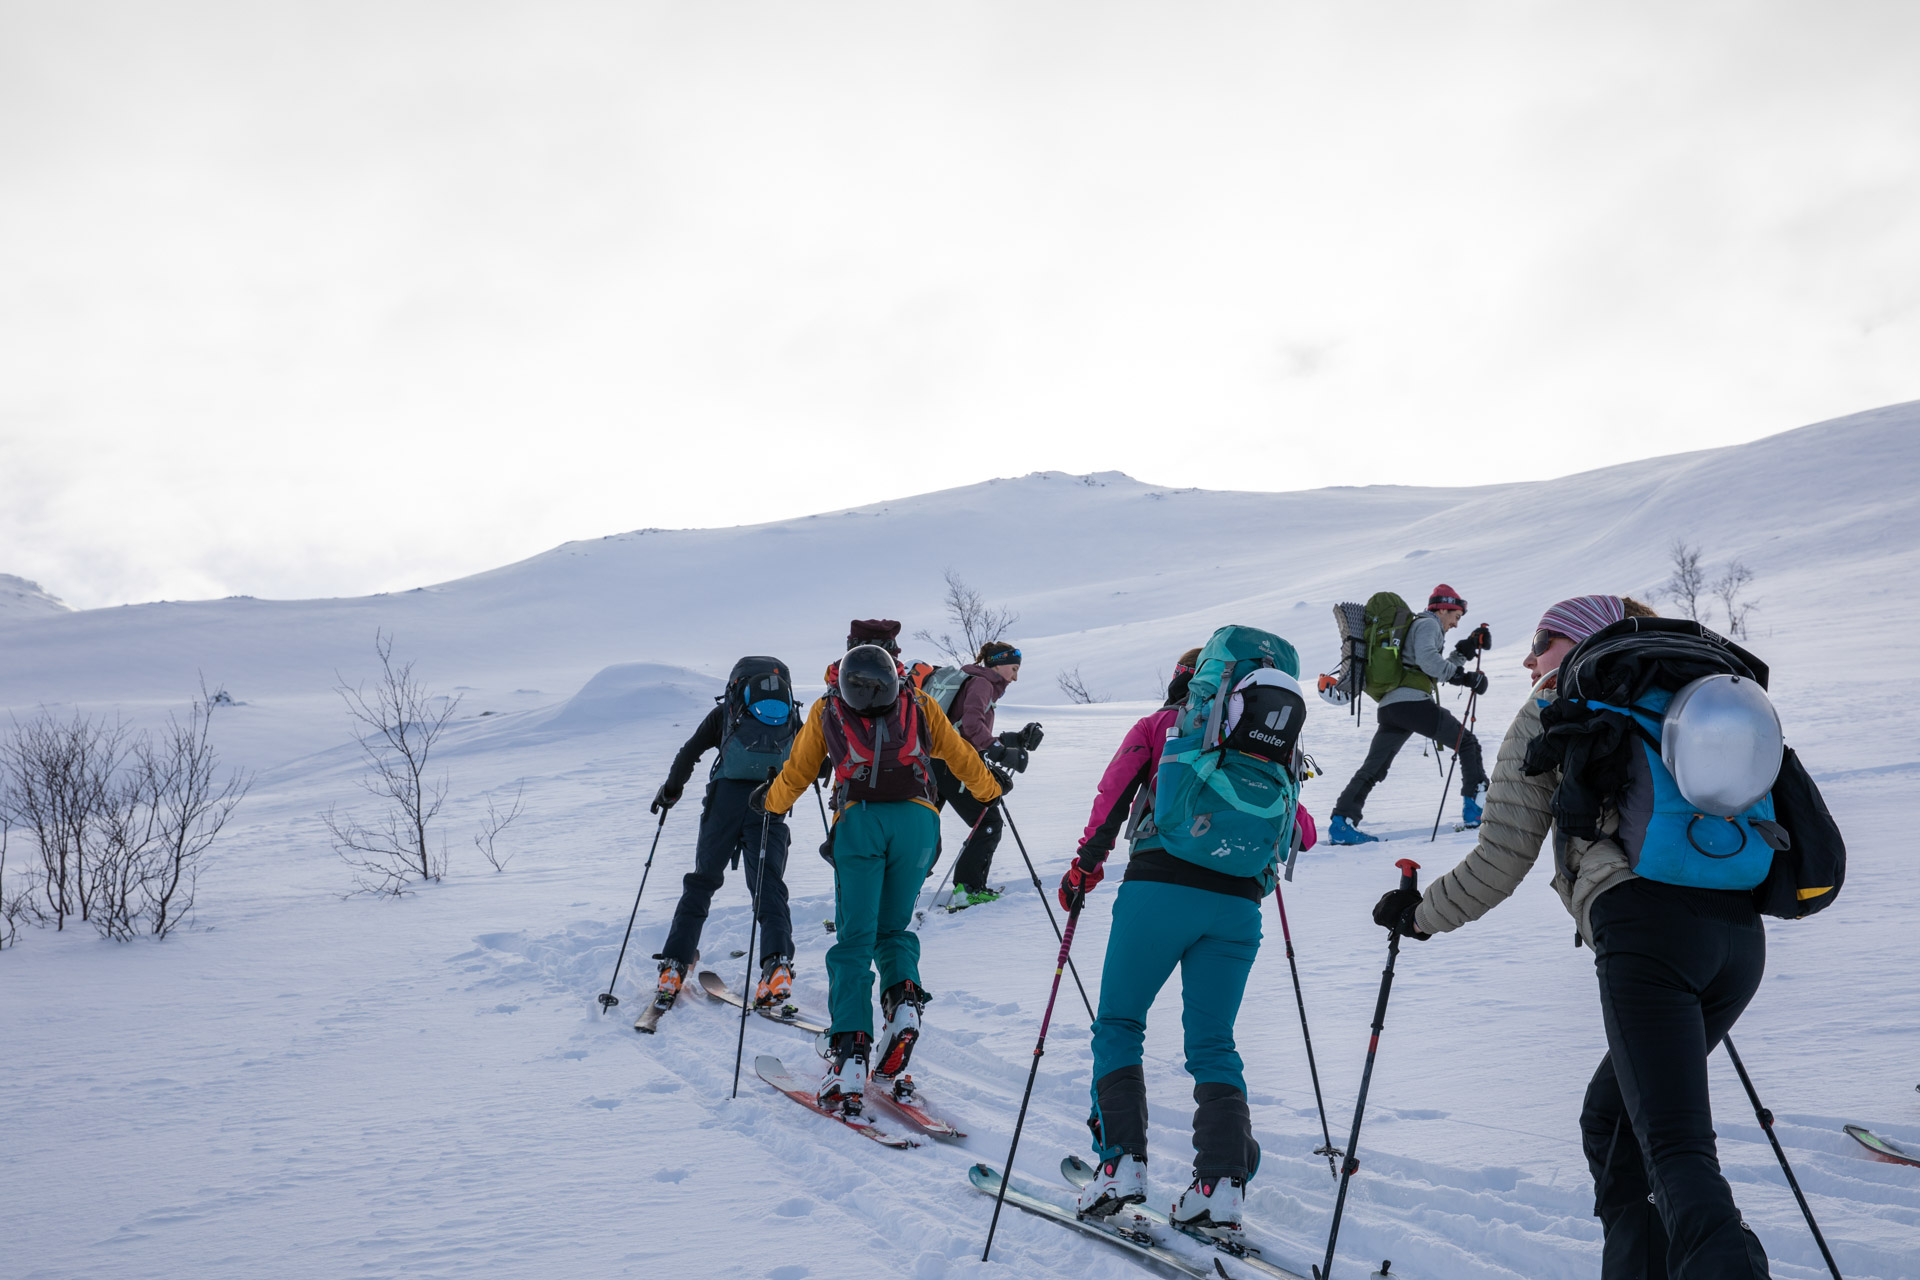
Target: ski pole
(825, 826)
(1765, 1117)
(746, 986)
(1039, 1047)
(1409, 879)
(1329, 1150)
(1465, 721)
(607, 998)
(1041, 890)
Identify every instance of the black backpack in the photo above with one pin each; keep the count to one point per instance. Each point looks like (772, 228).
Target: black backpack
(1806, 877)
(761, 720)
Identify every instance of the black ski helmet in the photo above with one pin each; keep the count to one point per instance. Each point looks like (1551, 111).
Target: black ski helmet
(869, 679)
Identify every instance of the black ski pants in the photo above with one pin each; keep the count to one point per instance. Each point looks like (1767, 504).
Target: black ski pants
(1397, 722)
(729, 828)
(976, 855)
(1676, 967)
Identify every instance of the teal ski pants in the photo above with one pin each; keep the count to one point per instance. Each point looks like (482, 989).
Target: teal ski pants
(1213, 938)
(881, 853)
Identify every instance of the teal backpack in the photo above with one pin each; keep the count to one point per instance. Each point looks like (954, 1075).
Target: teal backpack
(761, 720)
(1229, 777)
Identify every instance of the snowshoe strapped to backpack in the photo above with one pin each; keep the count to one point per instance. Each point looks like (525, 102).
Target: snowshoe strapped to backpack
(1228, 781)
(1631, 698)
(881, 758)
(761, 722)
(1349, 681)
(1386, 619)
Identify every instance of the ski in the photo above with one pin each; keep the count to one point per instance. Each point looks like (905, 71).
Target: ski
(771, 1070)
(787, 1015)
(950, 906)
(1232, 1243)
(1882, 1148)
(986, 1180)
(648, 1023)
(649, 1020)
(901, 1096)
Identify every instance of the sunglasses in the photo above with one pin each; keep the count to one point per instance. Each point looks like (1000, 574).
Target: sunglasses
(1182, 671)
(1543, 640)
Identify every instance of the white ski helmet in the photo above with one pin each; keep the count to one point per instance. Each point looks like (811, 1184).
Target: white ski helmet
(1721, 741)
(1333, 691)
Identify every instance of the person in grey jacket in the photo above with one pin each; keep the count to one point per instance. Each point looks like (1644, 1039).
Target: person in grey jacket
(1411, 708)
(1676, 967)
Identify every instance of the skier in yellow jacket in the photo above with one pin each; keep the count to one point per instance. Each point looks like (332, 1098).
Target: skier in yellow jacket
(881, 735)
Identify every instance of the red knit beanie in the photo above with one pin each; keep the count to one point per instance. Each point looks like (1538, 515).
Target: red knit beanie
(1445, 597)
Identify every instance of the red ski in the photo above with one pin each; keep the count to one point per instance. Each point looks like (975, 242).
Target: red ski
(774, 1073)
(901, 1096)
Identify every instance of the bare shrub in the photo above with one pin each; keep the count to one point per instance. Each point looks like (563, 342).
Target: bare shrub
(1688, 581)
(498, 820)
(59, 776)
(396, 725)
(190, 805)
(1076, 688)
(122, 821)
(1729, 587)
(978, 622)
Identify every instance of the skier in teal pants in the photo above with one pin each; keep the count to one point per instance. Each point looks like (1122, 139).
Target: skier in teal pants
(881, 735)
(1174, 912)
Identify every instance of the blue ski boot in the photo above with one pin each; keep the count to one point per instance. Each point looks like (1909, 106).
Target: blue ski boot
(1344, 832)
(1470, 811)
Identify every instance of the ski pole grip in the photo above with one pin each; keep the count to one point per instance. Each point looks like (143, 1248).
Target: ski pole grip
(1409, 873)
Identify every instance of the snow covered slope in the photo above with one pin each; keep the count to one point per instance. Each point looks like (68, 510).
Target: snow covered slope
(20, 599)
(308, 1085)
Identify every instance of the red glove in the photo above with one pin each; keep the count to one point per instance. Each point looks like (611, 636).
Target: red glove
(1079, 881)
(1303, 824)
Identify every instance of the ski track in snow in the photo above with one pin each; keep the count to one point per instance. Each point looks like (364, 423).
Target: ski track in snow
(305, 1085)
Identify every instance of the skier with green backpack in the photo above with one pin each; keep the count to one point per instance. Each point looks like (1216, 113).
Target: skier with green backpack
(1217, 773)
(1399, 660)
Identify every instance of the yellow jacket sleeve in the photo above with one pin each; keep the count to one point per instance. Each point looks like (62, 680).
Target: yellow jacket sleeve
(803, 762)
(957, 752)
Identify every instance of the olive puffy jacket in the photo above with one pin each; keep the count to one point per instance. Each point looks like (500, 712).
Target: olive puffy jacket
(1519, 814)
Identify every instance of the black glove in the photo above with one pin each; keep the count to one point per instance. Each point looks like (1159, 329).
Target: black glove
(826, 850)
(665, 798)
(1394, 912)
(757, 798)
(1474, 680)
(1002, 777)
(1027, 737)
(1471, 645)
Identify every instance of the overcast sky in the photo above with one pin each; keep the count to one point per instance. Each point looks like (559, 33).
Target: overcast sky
(329, 298)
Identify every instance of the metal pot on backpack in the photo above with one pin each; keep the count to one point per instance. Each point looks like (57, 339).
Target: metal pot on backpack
(1720, 739)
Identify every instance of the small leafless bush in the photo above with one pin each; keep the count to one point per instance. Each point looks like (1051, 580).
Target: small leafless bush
(1076, 688)
(122, 821)
(977, 621)
(1729, 587)
(498, 820)
(396, 724)
(1688, 581)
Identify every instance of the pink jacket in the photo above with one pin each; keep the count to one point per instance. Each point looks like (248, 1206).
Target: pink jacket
(1133, 766)
(973, 705)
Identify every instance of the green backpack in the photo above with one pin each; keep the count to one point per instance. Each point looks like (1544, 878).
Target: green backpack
(1387, 620)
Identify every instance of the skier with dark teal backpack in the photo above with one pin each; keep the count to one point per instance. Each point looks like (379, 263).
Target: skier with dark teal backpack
(1220, 816)
(752, 725)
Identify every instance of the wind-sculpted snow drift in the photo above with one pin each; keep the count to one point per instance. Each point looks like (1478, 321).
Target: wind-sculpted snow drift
(306, 1085)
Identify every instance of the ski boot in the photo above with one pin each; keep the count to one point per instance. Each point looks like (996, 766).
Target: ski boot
(776, 982)
(1116, 1183)
(673, 974)
(1344, 832)
(1210, 1202)
(845, 1083)
(1470, 811)
(901, 1004)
